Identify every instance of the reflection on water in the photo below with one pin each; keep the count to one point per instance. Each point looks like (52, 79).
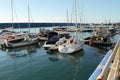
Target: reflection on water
(72, 58)
(102, 50)
(35, 63)
(21, 51)
(34, 60)
(56, 56)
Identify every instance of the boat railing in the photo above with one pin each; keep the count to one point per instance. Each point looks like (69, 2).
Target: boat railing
(99, 68)
(103, 69)
(114, 71)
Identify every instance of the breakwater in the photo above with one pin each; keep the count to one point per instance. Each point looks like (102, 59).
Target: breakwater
(38, 24)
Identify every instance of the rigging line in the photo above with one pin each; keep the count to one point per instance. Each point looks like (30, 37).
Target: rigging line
(80, 17)
(67, 18)
(71, 20)
(13, 11)
(75, 14)
(79, 14)
(28, 11)
(16, 16)
(28, 18)
(30, 15)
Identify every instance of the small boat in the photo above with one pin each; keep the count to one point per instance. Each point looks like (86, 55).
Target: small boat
(54, 38)
(13, 43)
(27, 39)
(58, 43)
(13, 37)
(21, 51)
(71, 46)
(100, 37)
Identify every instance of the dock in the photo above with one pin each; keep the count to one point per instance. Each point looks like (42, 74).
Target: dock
(109, 67)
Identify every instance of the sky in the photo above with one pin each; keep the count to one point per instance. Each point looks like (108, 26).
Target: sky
(91, 11)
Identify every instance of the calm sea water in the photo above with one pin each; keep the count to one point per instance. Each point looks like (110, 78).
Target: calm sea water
(35, 63)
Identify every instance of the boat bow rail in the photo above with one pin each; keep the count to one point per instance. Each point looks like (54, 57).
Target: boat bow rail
(108, 69)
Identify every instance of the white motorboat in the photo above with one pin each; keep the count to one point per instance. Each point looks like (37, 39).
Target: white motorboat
(54, 38)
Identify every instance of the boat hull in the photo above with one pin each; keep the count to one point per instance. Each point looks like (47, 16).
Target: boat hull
(70, 48)
(21, 44)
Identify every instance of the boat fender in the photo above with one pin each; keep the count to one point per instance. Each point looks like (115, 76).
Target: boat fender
(91, 43)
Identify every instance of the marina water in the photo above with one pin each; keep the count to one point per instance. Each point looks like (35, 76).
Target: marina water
(35, 63)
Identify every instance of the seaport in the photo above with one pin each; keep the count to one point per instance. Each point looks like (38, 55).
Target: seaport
(82, 62)
(59, 40)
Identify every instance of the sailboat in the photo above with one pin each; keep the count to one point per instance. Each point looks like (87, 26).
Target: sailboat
(72, 45)
(25, 41)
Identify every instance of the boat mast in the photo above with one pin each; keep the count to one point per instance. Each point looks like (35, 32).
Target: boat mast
(67, 18)
(75, 14)
(12, 13)
(75, 7)
(29, 18)
(80, 16)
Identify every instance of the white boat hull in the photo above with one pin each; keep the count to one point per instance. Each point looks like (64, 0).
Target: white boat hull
(70, 48)
(21, 44)
(48, 45)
